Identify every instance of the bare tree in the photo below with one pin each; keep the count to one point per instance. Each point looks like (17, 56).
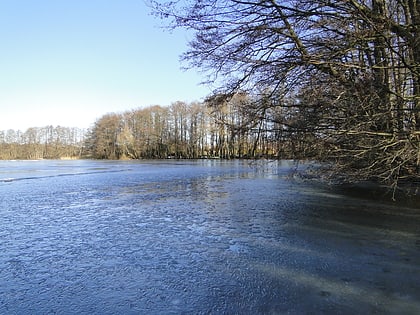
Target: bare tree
(346, 74)
(103, 138)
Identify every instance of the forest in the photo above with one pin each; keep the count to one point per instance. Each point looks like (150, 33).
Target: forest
(194, 130)
(181, 130)
(42, 143)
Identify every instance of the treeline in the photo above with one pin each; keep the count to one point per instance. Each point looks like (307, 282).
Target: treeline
(216, 128)
(209, 129)
(42, 143)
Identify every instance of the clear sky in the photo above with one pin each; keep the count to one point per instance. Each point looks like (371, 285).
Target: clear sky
(68, 62)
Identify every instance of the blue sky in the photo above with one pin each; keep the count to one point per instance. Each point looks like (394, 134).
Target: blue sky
(68, 62)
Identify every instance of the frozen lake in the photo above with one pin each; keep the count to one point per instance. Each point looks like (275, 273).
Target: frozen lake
(198, 237)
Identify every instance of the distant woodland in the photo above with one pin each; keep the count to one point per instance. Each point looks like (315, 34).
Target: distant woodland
(42, 143)
(210, 129)
(181, 130)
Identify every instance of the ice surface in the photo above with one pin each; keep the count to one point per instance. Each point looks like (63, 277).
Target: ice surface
(198, 237)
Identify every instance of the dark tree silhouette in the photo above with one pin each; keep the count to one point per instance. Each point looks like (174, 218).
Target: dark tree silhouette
(346, 74)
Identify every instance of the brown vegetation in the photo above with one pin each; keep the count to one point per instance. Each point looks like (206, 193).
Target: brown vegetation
(196, 130)
(41, 143)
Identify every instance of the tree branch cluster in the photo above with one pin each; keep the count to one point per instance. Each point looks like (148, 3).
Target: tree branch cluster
(345, 74)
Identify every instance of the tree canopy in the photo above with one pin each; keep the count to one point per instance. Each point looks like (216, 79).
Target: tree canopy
(186, 130)
(345, 74)
(48, 142)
